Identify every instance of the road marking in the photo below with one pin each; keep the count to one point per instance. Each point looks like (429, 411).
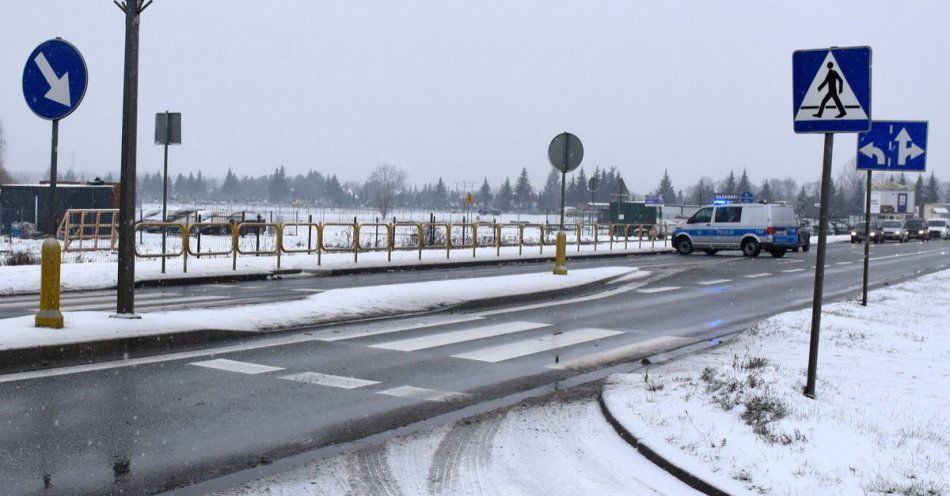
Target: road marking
(843, 263)
(472, 334)
(568, 301)
(763, 274)
(386, 327)
(717, 281)
(789, 271)
(236, 366)
(658, 290)
(33, 301)
(531, 346)
(631, 352)
(151, 304)
(418, 393)
(337, 381)
(308, 290)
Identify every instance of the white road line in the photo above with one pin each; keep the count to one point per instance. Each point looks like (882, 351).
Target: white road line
(447, 338)
(308, 290)
(66, 300)
(636, 350)
(419, 393)
(337, 381)
(717, 281)
(658, 290)
(844, 263)
(789, 271)
(362, 330)
(531, 346)
(763, 274)
(568, 301)
(236, 366)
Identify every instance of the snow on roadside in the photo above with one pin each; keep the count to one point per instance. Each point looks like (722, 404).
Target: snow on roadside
(832, 238)
(330, 306)
(736, 415)
(559, 448)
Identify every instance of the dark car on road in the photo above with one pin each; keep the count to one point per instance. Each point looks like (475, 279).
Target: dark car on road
(916, 229)
(877, 233)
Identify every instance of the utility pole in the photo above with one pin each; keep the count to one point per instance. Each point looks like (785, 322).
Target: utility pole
(125, 294)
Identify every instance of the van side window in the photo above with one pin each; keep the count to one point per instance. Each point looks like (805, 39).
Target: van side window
(728, 214)
(702, 216)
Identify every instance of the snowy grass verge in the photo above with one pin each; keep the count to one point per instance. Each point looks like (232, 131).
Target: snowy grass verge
(330, 306)
(736, 416)
(832, 238)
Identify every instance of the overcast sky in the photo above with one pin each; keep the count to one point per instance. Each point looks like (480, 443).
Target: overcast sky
(472, 89)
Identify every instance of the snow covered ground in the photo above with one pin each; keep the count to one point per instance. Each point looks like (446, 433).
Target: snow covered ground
(736, 416)
(558, 448)
(330, 306)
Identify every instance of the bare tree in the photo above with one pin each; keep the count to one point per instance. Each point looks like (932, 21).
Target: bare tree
(384, 184)
(5, 177)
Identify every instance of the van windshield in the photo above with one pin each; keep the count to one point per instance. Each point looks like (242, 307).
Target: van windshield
(891, 223)
(937, 223)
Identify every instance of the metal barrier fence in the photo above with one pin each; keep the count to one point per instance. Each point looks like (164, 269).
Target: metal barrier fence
(357, 238)
(89, 225)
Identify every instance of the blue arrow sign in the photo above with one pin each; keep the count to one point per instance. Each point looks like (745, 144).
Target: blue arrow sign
(54, 79)
(746, 197)
(894, 146)
(831, 90)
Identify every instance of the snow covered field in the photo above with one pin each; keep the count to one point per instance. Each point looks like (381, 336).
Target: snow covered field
(559, 448)
(330, 306)
(736, 417)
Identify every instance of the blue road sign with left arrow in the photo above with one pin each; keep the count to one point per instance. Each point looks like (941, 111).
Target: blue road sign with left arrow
(894, 146)
(54, 79)
(831, 90)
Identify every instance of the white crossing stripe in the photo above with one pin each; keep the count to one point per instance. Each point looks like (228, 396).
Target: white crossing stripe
(33, 300)
(789, 271)
(843, 263)
(642, 349)
(308, 290)
(140, 304)
(337, 381)
(717, 281)
(386, 327)
(532, 346)
(419, 393)
(567, 301)
(763, 274)
(472, 334)
(236, 366)
(658, 290)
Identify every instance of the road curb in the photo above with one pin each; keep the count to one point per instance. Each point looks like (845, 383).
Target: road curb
(212, 279)
(61, 355)
(650, 454)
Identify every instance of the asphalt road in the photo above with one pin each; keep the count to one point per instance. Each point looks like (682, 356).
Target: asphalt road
(155, 423)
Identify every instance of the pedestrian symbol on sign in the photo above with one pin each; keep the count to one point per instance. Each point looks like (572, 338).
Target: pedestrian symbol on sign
(833, 82)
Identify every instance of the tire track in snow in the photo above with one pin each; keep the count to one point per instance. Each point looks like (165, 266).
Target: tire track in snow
(370, 475)
(464, 449)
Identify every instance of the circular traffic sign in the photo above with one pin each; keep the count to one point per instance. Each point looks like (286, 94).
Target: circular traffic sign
(54, 79)
(593, 184)
(565, 152)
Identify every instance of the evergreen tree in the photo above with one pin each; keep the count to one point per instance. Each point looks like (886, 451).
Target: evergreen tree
(730, 186)
(901, 179)
(230, 188)
(484, 196)
(524, 193)
(180, 189)
(578, 193)
(919, 191)
(766, 192)
(745, 186)
(505, 196)
(440, 195)
(932, 191)
(551, 196)
(665, 189)
(279, 187)
(333, 192)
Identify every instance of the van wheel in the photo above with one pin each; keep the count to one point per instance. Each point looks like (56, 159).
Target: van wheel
(710, 251)
(778, 252)
(684, 246)
(751, 248)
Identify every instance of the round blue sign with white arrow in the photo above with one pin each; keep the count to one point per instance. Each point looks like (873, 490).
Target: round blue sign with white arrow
(54, 79)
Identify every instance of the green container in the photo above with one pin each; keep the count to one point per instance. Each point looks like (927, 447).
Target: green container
(629, 213)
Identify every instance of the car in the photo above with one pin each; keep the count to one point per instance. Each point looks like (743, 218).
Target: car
(804, 238)
(938, 228)
(893, 229)
(749, 227)
(857, 233)
(916, 229)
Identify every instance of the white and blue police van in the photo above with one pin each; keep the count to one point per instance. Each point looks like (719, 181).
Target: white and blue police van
(749, 227)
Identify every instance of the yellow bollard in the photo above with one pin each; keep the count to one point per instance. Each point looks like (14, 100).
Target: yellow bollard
(49, 314)
(560, 254)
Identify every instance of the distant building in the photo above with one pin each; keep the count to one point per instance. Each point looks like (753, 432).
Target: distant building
(28, 202)
(892, 199)
(936, 211)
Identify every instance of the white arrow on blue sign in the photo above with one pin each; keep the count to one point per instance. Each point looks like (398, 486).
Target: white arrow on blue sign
(831, 90)
(893, 146)
(54, 79)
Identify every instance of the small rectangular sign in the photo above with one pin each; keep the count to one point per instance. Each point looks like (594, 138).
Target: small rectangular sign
(168, 128)
(893, 146)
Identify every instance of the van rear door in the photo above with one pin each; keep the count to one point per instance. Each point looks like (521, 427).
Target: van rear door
(784, 224)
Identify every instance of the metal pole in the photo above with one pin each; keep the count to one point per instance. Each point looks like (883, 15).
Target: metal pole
(563, 180)
(51, 197)
(165, 188)
(867, 241)
(820, 265)
(125, 294)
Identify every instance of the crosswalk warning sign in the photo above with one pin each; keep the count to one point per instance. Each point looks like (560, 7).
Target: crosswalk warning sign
(832, 90)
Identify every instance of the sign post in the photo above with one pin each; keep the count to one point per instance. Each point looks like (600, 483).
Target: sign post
(593, 184)
(565, 154)
(831, 93)
(888, 146)
(54, 84)
(167, 132)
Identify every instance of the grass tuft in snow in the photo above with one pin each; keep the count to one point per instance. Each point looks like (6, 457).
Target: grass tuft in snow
(21, 257)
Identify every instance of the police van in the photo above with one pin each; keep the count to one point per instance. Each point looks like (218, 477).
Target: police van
(750, 227)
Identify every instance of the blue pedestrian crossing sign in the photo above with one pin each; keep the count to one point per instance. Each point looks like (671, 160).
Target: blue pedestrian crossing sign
(54, 79)
(831, 90)
(894, 146)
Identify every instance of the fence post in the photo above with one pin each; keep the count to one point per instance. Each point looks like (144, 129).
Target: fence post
(520, 238)
(356, 240)
(579, 231)
(319, 243)
(421, 238)
(498, 239)
(596, 232)
(199, 236)
(626, 237)
(474, 239)
(390, 241)
(49, 314)
(541, 240)
(448, 240)
(185, 228)
(309, 232)
(235, 230)
(640, 237)
(279, 228)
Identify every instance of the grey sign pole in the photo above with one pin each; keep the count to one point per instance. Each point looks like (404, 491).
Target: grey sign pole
(820, 265)
(50, 219)
(167, 132)
(165, 191)
(867, 242)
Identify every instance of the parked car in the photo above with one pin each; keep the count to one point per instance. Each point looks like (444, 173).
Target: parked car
(916, 229)
(893, 229)
(939, 228)
(749, 227)
(877, 233)
(804, 237)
